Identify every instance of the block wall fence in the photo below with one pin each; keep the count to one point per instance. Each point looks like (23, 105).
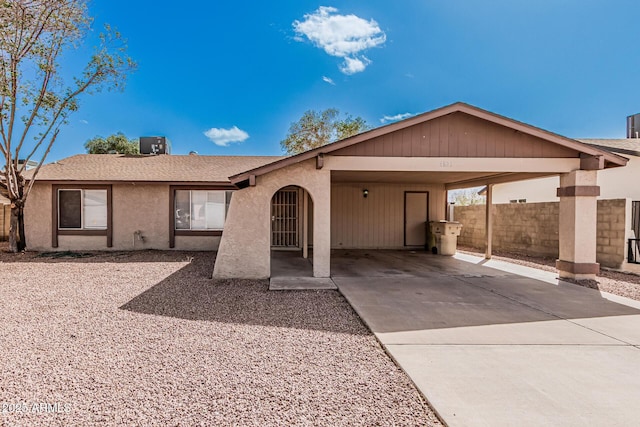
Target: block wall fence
(532, 228)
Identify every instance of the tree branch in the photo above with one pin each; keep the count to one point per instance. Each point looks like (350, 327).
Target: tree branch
(43, 90)
(25, 194)
(56, 117)
(36, 33)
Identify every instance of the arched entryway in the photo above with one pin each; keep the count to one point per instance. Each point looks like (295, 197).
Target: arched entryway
(291, 232)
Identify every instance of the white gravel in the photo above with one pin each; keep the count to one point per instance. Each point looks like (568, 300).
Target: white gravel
(148, 339)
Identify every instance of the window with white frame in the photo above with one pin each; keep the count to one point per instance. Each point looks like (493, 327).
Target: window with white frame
(201, 209)
(80, 209)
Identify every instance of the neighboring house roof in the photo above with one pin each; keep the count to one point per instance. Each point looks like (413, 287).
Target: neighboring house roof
(611, 160)
(628, 146)
(160, 168)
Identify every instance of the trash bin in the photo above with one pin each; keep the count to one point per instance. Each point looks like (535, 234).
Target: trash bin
(446, 236)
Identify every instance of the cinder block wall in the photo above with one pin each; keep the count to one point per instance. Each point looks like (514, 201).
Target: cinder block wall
(472, 219)
(612, 229)
(532, 228)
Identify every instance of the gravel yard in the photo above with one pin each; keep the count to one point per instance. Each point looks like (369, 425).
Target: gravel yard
(147, 338)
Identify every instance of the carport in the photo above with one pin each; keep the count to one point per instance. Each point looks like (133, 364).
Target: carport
(376, 190)
(494, 344)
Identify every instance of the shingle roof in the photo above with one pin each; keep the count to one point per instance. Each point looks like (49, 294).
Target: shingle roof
(630, 146)
(197, 168)
(160, 168)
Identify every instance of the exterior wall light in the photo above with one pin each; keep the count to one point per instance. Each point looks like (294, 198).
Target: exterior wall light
(365, 193)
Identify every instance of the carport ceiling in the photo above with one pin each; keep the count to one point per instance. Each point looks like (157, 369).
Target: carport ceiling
(451, 179)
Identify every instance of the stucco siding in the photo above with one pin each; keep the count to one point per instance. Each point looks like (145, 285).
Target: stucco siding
(37, 218)
(245, 247)
(197, 243)
(142, 208)
(615, 183)
(532, 191)
(618, 183)
(377, 221)
(77, 243)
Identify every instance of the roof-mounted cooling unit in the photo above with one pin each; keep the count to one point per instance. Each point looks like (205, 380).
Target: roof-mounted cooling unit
(154, 145)
(633, 126)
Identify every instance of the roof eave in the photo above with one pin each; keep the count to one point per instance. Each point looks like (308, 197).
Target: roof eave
(610, 158)
(132, 181)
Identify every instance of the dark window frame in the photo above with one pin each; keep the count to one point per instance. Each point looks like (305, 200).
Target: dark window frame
(57, 231)
(172, 214)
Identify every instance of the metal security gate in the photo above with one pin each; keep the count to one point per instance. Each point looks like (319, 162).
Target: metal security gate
(633, 246)
(635, 218)
(284, 219)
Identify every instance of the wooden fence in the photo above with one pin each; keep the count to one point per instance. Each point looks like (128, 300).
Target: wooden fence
(5, 214)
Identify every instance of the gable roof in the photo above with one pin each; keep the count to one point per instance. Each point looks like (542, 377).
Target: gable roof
(160, 168)
(627, 146)
(611, 160)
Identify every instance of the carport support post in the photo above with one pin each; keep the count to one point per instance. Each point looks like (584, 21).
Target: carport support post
(305, 225)
(322, 224)
(578, 194)
(489, 221)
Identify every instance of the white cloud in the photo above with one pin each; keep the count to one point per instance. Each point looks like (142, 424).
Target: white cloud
(354, 65)
(84, 122)
(223, 137)
(397, 117)
(343, 36)
(328, 80)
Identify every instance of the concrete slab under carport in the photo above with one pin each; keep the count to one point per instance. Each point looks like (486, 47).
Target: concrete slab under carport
(291, 272)
(488, 347)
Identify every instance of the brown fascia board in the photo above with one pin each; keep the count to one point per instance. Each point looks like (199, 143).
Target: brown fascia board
(93, 182)
(617, 150)
(499, 178)
(573, 144)
(459, 107)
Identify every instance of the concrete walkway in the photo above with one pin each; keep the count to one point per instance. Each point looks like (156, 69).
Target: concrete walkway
(495, 344)
(289, 272)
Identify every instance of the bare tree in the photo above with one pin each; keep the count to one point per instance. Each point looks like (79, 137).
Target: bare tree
(34, 100)
(467, 197)
(315, 129)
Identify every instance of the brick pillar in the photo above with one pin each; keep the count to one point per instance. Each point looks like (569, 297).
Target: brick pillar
(578, 194)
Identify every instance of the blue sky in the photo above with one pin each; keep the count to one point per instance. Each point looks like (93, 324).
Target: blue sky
(246, 70)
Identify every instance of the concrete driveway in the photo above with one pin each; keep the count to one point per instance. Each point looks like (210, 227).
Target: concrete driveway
(495, 344)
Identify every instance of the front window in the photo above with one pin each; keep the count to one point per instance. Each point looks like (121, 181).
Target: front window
(201, 209)
(82, 209)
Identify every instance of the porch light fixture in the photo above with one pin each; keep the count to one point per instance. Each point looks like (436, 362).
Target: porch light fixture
(365, 193)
